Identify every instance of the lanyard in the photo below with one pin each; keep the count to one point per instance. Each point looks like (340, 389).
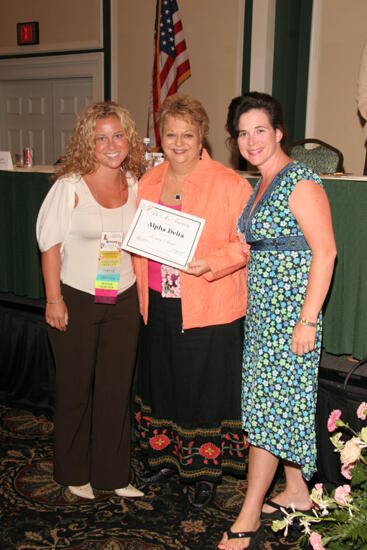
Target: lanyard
(109, 260)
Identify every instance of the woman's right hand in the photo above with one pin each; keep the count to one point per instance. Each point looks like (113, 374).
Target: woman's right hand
(303, 339)
(57, 316)
(56, 311)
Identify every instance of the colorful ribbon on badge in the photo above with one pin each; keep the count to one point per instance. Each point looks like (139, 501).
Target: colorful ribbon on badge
(109, 267)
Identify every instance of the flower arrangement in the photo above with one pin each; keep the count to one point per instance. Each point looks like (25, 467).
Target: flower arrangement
(338, 521)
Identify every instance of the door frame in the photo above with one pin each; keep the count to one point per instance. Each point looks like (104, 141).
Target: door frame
(57, 66)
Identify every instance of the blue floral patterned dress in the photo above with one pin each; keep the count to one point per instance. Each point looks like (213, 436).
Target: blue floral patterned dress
(278, 387)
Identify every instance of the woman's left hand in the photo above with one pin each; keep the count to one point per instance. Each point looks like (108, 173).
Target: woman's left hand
(197, 267)
(303, 339)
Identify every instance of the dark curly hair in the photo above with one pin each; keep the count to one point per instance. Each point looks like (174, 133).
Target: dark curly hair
(80, 158)
(255, 100)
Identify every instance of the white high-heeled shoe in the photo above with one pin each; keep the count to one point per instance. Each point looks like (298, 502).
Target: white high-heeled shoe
(129, 491)
(84, 491)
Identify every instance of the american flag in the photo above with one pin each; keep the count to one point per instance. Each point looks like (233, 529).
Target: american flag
(171, 61)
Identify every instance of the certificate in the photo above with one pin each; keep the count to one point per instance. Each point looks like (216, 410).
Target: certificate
(163, 234)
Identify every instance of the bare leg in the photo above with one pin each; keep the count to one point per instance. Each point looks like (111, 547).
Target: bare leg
(295, 492)
(261, 471)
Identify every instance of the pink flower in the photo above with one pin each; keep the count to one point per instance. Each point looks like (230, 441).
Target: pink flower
(362, 411)
(346, 471)
(334, 416)
(316, 541)
(342, 494)
(319, 486)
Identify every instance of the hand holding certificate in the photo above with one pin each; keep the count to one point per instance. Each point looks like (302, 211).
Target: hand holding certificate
(163, 234)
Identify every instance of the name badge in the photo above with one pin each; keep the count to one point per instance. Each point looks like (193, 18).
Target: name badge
(109, 267)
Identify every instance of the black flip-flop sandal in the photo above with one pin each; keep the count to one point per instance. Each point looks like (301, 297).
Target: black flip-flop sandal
(277, 514)
(255, 536)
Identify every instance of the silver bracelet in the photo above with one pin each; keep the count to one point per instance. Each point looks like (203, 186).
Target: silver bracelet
(61, 299)
(306, 323)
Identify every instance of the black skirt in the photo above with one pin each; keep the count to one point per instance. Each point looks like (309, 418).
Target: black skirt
(189, 394)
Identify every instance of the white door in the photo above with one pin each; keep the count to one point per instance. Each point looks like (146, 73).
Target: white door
(41, 114)
(70, 97)
(26, 118)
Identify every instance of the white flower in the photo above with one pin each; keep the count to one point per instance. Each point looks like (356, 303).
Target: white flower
(324, 508)
(288, 521)
(306, 526)
(351, 452)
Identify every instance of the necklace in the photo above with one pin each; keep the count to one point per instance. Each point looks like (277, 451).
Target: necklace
(173, 188)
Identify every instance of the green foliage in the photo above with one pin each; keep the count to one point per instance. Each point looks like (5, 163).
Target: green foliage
(340, 518)
(359, 474)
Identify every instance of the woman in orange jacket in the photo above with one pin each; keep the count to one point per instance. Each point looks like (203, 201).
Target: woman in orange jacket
(189, 370)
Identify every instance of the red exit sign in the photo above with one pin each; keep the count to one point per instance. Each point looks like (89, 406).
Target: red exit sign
(27, 33)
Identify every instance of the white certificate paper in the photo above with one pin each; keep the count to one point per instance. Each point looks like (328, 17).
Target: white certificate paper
(163, 234)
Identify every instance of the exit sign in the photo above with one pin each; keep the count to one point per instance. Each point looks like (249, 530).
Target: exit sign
(27, 33)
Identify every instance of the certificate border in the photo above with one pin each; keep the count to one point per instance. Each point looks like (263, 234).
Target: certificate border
(191, 218)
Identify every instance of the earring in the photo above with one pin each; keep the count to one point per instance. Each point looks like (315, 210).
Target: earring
(201, 153)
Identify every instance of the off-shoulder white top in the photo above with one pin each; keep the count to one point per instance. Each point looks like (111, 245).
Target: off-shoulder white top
(79, 229)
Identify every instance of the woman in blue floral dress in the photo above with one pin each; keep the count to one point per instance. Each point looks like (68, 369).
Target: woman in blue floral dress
(288, 224)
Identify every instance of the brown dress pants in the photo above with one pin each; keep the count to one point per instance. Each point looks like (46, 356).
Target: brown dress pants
(95, 360)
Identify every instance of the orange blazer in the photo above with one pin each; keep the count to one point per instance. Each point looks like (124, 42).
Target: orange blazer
(218, 194)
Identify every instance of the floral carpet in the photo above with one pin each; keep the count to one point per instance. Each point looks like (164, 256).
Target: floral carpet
(36, 513)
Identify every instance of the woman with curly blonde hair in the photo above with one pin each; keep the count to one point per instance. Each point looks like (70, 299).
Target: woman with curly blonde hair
(80, 154)
(91, 299)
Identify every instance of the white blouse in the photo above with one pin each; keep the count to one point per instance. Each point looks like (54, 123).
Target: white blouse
(79, 229)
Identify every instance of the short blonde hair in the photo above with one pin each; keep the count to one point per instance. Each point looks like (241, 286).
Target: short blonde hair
(184, 106)
(80, 158)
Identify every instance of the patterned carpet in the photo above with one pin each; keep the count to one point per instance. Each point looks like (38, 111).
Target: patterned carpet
(37, 513)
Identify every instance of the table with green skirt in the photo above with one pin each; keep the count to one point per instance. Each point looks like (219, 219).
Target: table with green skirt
(27, 371)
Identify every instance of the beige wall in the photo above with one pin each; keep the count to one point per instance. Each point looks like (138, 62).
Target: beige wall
(342, 34)
(213, 32)
(63, 25)
(133, 72)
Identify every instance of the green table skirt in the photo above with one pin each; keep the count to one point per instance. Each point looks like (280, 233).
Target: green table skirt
(21, 195)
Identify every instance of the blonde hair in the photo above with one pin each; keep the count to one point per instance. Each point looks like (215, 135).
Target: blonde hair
(184, 106)
(80, 158)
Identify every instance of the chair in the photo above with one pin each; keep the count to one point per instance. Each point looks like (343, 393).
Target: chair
(323, 159)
